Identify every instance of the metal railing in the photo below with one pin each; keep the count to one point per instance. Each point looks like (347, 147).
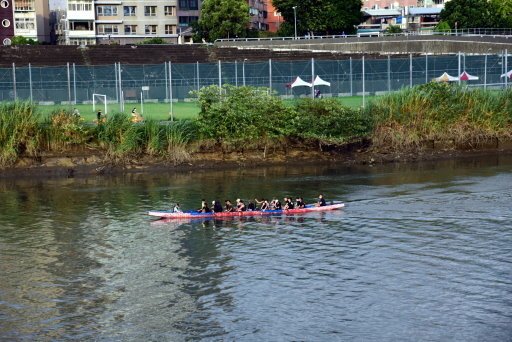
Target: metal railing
(381, 33)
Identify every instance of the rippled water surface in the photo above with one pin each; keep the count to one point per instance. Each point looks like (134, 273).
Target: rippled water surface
(420, 253)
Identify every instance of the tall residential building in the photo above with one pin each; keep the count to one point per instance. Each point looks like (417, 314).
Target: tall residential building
(188, 13)
(274, 19)
(120, 22)
(6, 21)
(259, 15)
(27, 18)
(396, 4)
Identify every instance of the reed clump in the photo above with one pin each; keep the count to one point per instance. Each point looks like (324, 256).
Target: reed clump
(63, 130)
(19, 131)
(440, 112)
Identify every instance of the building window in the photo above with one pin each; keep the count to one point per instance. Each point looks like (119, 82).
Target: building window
(25, 24)
(24, 5)
(6, 23)
(130, 29)
(170, 10)
(81, 6)
(106, 11)
(150, 11)
(150, 29)
(129, 11)
(188, 5)
(4, 4)
(108, 29)
(170, 29)
(186, 21)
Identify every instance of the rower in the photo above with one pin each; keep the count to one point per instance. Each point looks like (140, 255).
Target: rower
(177, 208)
(228, 206)
(275, 205)
(287, 204)
(321, 201)
(264, 205)
(251, 206)
(217, 207)
(204, 207)
(299, 203)
(240, 205)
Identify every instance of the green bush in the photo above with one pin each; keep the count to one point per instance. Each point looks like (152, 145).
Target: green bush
(329, 121)
(242, 114)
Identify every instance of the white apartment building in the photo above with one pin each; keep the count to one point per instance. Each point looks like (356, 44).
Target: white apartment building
(120, 22)
(79, 25)
(31, 19)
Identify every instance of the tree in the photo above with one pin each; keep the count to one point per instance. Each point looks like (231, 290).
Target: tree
(504, 8)
(320, 16)
(393, 29)
(20, 40)
(443, 26)
(223, 19)
(472, 14)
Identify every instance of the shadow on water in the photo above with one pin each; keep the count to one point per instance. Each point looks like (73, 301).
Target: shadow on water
(79, 258)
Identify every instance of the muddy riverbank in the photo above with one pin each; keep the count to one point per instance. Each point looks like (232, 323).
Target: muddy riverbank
(94, 162)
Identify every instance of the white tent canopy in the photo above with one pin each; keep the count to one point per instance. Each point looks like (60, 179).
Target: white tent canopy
(508, 74)
(299, 82)
(446, 78)
(467, 77)
(318, 82)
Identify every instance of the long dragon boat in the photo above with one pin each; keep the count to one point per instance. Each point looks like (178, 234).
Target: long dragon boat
(169, 214)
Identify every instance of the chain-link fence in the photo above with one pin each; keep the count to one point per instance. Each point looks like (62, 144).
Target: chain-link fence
(171, 82)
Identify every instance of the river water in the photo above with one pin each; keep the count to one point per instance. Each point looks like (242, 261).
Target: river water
(422, 252)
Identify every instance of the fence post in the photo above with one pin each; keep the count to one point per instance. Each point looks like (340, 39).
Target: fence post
(270, 74)
(458, 75)
(312, 78)
(74, 83)
(506, 67)
(236, 73)
(166, 72)
(220, 78)
(410, 70)
(426, 68)
(197, 67)
(351, 84)
(14, 81)
(30, 81)
(69, 83)
(485, 71)
(120, 86)
(170, 91)
(389, 73)
(364, 86)
(117, 89)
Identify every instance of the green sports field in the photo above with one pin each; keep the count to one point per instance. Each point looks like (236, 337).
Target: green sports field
(161, 111)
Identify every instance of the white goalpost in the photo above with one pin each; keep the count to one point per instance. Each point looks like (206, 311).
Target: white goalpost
(100, 97)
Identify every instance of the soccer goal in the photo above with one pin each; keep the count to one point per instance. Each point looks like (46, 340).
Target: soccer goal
(100, 98)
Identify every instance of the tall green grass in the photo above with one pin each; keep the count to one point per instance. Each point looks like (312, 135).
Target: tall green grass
(19, 131)
(409, 118)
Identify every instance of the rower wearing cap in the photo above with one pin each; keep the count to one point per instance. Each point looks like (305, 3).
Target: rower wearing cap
(321, 201)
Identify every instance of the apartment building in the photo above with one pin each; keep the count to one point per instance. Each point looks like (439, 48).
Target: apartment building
(131, 21)
(259, 15)
(120, 22)
(28, 18)
(6, 21)
(396, 4)
(274, 19)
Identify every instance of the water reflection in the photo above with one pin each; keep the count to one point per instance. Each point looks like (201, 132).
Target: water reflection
(420, 250)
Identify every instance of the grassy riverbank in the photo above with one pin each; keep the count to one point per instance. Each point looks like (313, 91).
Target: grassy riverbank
(249, 120)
